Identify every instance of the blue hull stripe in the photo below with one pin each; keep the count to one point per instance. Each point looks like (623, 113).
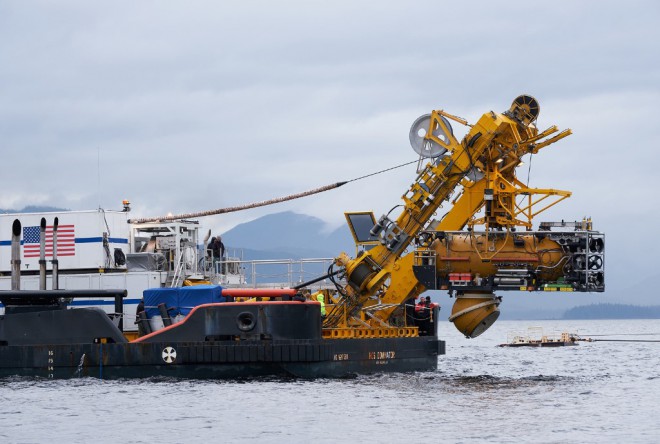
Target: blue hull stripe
(89, 240)
(81, 240)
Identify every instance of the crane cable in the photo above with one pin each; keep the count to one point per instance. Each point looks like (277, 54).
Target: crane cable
(529, 169)
(382, 171)
(261, 203)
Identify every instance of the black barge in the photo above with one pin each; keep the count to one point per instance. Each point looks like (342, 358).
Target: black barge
(41, 337)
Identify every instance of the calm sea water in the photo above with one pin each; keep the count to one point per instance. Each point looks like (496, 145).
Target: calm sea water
(595, 392)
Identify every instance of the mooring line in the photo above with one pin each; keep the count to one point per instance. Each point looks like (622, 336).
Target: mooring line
(261, 203)
(626, 334)
(624, 340)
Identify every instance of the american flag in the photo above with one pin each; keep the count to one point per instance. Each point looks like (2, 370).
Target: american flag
(66, 241)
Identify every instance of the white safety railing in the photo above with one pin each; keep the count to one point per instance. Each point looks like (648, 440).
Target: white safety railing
(280, 273)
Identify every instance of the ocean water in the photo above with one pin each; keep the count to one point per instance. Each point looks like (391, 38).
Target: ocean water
(593, 393)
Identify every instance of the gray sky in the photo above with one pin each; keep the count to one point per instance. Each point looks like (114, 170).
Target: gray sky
(197, 105)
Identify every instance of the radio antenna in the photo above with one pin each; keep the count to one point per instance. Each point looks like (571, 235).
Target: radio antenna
(98, 175)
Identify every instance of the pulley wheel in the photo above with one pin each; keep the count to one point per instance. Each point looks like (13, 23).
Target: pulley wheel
(426, 147)
(525, 108)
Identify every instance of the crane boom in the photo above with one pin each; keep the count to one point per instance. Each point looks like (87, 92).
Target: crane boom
(483, 163)
(433, 186)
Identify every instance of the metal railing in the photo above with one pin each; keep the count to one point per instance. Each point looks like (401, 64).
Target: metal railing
(276, 273)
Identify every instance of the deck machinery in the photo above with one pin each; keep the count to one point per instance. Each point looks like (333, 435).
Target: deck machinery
(483, 244)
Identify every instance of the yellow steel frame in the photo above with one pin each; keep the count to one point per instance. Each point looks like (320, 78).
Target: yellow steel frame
(506, 194)
(375, 332)
(495, 146)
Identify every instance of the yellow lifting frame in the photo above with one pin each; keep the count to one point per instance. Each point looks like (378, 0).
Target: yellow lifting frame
(494, 146)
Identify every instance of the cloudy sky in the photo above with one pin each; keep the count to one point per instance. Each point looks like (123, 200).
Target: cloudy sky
(188, 106)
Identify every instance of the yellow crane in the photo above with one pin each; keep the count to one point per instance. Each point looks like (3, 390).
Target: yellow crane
(482, 165)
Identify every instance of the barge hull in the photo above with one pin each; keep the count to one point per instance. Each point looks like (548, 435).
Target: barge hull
(223, 360)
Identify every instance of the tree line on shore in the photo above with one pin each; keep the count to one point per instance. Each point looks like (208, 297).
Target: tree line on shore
(613, 311)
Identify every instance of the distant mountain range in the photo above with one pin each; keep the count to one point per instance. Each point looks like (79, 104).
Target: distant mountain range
(288, 235)
(33, 209)
(613, 311)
